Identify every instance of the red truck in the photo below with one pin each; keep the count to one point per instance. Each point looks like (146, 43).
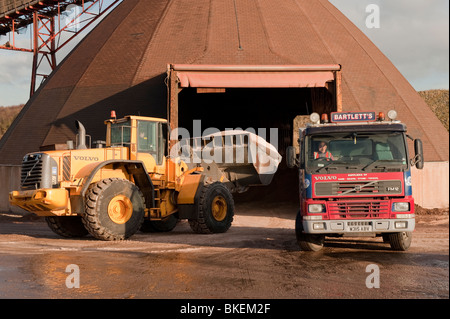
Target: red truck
(358, 183)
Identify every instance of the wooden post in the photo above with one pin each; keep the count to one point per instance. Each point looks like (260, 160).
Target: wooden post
(173, 103)
(339, 91)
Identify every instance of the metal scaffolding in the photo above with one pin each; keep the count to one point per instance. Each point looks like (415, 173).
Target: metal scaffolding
(55, 23)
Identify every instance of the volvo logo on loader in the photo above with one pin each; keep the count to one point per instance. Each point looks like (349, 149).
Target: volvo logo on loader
(86, 158)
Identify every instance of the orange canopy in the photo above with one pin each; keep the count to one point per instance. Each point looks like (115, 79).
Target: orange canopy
(253, 76)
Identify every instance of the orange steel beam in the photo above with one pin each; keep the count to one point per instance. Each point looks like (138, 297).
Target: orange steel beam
(43, 31)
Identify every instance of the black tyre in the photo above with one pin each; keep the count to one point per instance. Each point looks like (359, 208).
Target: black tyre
(400, 241)
(114, 209)
(215, 210)
(158, 226)
(67, 226)
(307, 242)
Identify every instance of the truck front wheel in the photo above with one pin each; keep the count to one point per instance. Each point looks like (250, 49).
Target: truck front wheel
(307, 242)
(114, 209)
(400, 241)
(215, 209)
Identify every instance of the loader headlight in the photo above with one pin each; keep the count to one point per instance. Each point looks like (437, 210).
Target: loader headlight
(401, 207)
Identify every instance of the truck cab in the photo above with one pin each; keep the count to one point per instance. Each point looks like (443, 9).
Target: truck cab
(355, 179)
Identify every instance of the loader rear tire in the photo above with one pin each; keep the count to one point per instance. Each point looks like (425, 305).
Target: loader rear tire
(215, 209)
(67, 226)
(114, 209)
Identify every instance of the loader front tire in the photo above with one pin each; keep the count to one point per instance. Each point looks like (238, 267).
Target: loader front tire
(215, 210)
(114, 209)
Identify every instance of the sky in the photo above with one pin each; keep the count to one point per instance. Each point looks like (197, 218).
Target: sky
(413, 34)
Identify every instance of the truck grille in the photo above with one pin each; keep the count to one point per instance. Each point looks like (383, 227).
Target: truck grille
(362, 188)
(31, 174)
(359, 209)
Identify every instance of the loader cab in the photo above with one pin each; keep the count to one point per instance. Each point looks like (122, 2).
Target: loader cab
(142, 135)
(152, 138)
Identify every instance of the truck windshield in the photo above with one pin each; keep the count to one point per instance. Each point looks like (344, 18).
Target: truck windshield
(356, 152)
(121, 134)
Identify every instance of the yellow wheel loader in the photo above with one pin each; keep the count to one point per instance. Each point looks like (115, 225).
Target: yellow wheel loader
(130, 183)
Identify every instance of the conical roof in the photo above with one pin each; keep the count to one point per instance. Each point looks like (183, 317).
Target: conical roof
(122, 63)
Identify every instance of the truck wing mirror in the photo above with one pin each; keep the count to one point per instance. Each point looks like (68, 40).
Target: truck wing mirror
(291, 158)
(418, 158)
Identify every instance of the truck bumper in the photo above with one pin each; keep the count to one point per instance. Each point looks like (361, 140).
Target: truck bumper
(42, 202)
(359, 226)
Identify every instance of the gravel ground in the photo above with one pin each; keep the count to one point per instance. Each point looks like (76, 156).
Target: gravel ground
(258, 258)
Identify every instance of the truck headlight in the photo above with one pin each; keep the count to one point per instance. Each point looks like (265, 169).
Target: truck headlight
(401, 207)
(401, 225)
(319, 226)
(315, 208)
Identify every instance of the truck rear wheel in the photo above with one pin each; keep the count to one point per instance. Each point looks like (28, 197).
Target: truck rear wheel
(67, 226)
(307, 242)
(215, 210)
(400, 241)
(114, 209)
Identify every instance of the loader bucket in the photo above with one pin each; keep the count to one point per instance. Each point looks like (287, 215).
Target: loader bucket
(243, 158)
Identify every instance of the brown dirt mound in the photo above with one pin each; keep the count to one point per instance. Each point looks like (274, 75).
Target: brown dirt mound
(434, 211)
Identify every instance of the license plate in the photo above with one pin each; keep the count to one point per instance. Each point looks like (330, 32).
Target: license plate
(360, 228)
